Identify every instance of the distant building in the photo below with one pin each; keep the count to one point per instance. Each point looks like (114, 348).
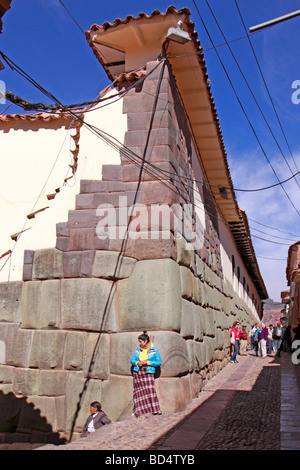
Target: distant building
(273, 312)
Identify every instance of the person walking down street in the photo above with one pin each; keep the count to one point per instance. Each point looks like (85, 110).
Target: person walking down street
(277, 337)
(252, 333)
(256, 339)
(270, 348)
(96, 419)
(234, 340)
(243, 341)
(263, 336)
(145, 360)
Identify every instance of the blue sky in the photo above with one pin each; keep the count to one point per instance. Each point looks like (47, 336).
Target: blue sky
(42, 39)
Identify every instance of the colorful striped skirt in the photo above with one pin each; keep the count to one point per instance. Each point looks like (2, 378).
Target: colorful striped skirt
(144, 393)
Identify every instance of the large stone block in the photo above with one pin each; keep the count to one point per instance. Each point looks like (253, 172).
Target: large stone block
(11, 301)
(187, 283)
(47, 349)
(16, 345)
(151, 248)
(6, 374)
(185, 253)
(117, 397)
(25, 381)
(174, 394)
(112, 265)
(52, 382)
(88, 304)
(151, 298)
(60, 413)
(200, 356)
(173, 351)
(172, 348)
(187, 319)
(74, 350)
(199, 322)
(48, 264)
(125, 342)
(82, 239)
(41, 304)
(31, 304)
(96, 356)
(190, 351)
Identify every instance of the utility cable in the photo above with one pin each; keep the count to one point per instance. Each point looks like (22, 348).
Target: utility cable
(118, 263)
(249, 88)
(266, 86)
(131, 156)
(43, 106)
(71, 16)
(239, 101)
(52, 96)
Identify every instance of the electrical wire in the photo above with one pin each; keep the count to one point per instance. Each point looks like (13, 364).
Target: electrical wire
(25, 75)
(59, 106)
(71, 16)
(270, 258)
(43, 106)
(135, 159)
(242, 107)
(249, 88)
(119, 261)
(266, 86)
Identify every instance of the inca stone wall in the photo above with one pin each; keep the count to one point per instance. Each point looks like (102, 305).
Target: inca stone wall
(68, 330)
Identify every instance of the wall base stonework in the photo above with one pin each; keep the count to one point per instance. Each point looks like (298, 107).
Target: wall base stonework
(69, 329)
(67, 342)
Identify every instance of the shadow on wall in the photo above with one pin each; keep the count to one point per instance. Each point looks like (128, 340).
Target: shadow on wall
(20, 421)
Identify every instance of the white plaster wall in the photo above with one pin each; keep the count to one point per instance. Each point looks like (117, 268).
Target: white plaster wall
(33, 163)
(227, 250)
(227, 245)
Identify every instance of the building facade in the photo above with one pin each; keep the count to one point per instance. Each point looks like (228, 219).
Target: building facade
(157, 244)
(292, 297)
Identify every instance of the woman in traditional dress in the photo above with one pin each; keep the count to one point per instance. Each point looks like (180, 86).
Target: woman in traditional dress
(145, 359)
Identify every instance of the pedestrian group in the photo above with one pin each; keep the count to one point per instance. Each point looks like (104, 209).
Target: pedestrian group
(262, 339)
(146, 362)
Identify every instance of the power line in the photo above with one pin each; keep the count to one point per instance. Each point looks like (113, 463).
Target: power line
(71, 16)
(27, 77)
(250, 88)
(252, 94)
(119, 259)
(266, 86)
(274, 228)
(270, 258)
(243, 109)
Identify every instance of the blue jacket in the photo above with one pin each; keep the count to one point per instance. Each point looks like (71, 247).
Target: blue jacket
(154, 360)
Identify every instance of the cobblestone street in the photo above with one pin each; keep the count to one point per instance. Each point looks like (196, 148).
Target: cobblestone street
(252, 405)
